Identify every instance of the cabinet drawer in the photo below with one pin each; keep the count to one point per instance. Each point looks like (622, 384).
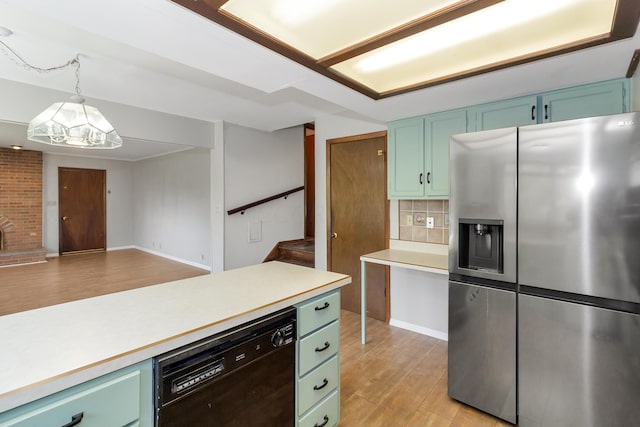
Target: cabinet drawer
(317, 384)
(326, 414)
(318, 347)
(318, 312)
(112, 403)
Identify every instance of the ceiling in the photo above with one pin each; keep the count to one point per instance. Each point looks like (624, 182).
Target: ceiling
(412, 45)
(157, 55)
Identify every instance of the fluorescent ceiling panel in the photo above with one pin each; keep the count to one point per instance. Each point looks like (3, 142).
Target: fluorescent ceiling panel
(503, 32)
(386, 48)
(321, 27)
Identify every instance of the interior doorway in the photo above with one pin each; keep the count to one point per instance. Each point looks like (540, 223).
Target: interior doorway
(309, 181)
(358, 217)
(82, 210)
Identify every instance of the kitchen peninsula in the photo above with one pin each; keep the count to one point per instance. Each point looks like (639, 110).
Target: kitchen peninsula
(53, 348)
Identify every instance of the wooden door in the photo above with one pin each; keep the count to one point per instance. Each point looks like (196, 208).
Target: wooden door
(82, 210)
(358, 217)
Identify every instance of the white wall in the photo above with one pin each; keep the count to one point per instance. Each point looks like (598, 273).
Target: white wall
(419, 301)
(171, 206)
(119, 198)
(330, 127)
(258, 165)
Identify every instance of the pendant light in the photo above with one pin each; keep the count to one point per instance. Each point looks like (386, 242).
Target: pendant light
(70, 123)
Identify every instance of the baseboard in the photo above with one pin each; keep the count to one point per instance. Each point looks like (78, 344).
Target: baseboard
(160, 254)
(119, 248)
(183, 261)
(419, 329)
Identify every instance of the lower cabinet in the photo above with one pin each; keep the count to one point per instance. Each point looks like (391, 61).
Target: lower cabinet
(121, 398)
(318, 361)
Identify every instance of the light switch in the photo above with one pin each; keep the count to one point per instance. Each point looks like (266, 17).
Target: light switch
(255, 231)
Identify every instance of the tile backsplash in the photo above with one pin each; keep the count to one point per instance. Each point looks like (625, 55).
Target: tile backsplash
(415, 215)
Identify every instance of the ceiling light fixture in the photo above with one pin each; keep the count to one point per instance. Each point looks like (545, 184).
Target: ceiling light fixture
(71, 123)
(410, 45)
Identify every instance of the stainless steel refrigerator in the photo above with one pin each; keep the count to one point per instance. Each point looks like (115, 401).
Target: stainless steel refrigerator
(579, 272)
(576, 269)
(482, 271)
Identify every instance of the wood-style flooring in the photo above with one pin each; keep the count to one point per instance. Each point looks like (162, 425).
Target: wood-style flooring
(74, 277)
(399, 378)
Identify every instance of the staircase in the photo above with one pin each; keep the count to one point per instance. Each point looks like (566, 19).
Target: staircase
(300, 252)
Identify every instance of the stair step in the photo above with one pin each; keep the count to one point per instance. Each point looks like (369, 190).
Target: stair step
(300, 252)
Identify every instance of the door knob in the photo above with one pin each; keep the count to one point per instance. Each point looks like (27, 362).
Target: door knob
(64, 218)
(334, 235)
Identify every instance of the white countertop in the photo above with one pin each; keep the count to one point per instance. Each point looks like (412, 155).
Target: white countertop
(423, 257)
(52, 348)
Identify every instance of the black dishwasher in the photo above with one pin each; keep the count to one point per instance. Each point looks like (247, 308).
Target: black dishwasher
(242, 377)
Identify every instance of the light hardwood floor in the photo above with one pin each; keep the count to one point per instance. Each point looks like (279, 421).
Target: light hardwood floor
(399, 378)
(74, 277)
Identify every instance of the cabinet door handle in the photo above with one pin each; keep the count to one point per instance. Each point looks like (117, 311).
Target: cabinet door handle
(546, 111)
(326, 346)
(326, 420)
(533, 112)
(428, 177)
(75, 420)
(420, 178)
(320, 387)
(325, 306)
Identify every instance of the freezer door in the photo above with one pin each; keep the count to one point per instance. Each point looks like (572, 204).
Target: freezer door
(482, 348)
(579, 206)
(482, 189)
(577, 365)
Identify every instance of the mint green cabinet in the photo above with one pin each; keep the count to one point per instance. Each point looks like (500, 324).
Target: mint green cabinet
(120, 398)
(438, 129)
(599, 99)
(418, 155)
(502, 114)
(405, 159)
(418, 147)
(318, 361)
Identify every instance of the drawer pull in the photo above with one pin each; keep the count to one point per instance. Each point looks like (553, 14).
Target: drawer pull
(326, 346)
(325, 306)
(75, 420)
(320, 387)
(326, 420)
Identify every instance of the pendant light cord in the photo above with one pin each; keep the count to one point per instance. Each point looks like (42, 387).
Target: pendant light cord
(75, 61)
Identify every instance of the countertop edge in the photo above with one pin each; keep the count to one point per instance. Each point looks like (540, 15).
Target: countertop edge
(20, 396)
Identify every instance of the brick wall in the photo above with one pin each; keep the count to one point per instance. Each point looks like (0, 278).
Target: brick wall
(21, 206)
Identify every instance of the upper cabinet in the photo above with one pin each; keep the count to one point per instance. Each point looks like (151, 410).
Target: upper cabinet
(503, 114)
(405, 167)
(599, 99)
(418, 159)
(418, 147)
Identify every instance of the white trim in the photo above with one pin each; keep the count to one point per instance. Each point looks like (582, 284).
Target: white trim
(183, 261)
(118, 248)
(160, 254)
(419, 329)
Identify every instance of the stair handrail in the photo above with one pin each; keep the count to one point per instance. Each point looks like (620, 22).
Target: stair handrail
(284, 194)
